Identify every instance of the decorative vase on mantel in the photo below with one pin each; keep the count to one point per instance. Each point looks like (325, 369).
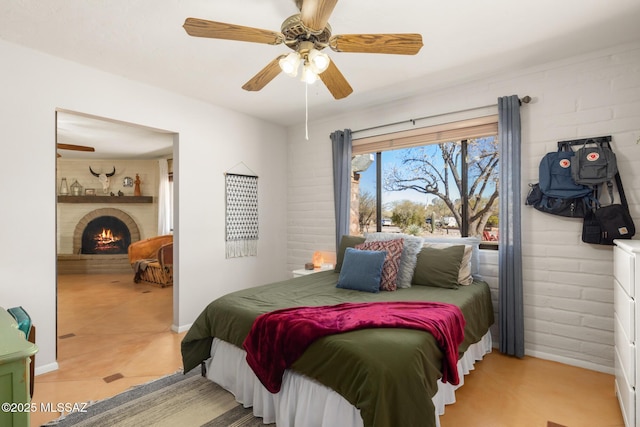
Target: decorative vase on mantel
(76, 188)
(64, 188)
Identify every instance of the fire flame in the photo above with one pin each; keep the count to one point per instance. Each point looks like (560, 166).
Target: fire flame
(106, 237)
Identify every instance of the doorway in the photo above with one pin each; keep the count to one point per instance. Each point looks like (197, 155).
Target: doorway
(98, 161)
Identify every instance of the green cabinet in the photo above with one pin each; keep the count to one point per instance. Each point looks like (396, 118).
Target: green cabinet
(15, 351)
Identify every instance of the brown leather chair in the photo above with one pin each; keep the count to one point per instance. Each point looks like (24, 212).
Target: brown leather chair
(152, 260)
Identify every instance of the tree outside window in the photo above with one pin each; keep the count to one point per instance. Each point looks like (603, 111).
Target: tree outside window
(445, 188)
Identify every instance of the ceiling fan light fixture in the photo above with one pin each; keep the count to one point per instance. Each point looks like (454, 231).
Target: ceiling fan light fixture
(307, 33)
(309, 76)
(290, 64)
(319, 60)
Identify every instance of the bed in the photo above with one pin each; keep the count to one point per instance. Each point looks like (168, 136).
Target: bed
(380, 377)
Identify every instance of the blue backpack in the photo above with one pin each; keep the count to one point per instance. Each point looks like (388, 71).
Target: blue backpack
(555, 175)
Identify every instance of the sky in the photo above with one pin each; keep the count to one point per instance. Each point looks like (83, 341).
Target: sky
(368, 181)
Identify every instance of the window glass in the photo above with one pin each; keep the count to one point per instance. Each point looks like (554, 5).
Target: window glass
(448, 188)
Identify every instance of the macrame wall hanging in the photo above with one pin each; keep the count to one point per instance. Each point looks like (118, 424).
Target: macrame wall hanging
(241, 194)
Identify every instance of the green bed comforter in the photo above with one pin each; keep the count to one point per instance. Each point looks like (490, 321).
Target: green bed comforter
(389, 374)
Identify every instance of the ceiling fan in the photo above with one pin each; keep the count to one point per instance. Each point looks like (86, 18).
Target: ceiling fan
(73, 147)
(307, 33)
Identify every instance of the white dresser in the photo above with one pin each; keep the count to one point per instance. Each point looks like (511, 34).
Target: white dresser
(626, 272)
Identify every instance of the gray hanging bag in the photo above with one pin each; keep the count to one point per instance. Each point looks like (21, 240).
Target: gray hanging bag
(593, 164)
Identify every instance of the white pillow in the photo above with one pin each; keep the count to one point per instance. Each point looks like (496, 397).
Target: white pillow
(464, 275)
(475, 252)
(409, 257)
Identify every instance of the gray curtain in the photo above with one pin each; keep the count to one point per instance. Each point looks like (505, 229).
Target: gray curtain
(510, 317)
(341, 141)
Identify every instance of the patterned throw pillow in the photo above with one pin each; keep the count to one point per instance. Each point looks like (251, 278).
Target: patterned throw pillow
(389, 280)
(412, 245)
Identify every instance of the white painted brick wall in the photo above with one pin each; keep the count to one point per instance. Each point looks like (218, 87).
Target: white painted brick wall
(310, 202)
(489, 273)
(567, 284)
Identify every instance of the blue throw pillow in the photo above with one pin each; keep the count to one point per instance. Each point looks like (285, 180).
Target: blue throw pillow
(361, 270)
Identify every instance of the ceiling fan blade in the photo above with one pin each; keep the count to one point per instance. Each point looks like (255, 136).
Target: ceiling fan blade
(219, 30)
(75, 147)
(335, 82)
(264, 76)
(315, 13)
(399, 44)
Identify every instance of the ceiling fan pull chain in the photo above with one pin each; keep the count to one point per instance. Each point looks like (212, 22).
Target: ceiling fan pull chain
(306, 110)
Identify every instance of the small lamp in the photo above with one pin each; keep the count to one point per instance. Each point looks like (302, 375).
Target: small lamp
(318, 259)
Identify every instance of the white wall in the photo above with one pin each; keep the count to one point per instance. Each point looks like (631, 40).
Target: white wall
(568, 285)
(211, 140)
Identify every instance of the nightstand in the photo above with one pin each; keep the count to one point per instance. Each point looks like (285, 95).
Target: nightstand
(304, 272)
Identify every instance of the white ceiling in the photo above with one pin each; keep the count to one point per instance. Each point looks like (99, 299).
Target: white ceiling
(463, 40)
(110, 139)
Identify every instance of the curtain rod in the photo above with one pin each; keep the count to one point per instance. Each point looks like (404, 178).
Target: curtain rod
(525, 99)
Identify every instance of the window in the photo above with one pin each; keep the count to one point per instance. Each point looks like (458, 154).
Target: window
(440, 180)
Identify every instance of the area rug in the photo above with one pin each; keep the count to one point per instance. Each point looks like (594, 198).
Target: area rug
(175, 400)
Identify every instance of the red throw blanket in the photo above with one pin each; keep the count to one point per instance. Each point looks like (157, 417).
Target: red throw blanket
(278, 338)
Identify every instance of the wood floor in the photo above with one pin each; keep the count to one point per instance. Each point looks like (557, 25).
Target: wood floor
(113, 334)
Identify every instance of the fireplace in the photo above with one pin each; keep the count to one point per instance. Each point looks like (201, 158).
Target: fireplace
(100, 242)
(105, 231)
(105, 235)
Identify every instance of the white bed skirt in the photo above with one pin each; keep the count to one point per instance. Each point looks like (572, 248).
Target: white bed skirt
(303, 401)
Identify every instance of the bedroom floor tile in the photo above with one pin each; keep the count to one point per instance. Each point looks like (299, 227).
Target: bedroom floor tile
(505, 391)
(119, 328)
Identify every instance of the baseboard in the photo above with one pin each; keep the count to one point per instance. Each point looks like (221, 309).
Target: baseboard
(179, 329)
(39, 370)
(573, 362)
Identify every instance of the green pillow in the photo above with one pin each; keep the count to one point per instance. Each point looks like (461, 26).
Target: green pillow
(438, 267)
(346, 242)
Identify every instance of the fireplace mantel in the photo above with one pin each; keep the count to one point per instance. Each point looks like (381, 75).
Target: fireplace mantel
(105, 199)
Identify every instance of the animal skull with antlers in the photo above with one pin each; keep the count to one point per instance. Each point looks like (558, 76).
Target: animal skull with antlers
(103, 178)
